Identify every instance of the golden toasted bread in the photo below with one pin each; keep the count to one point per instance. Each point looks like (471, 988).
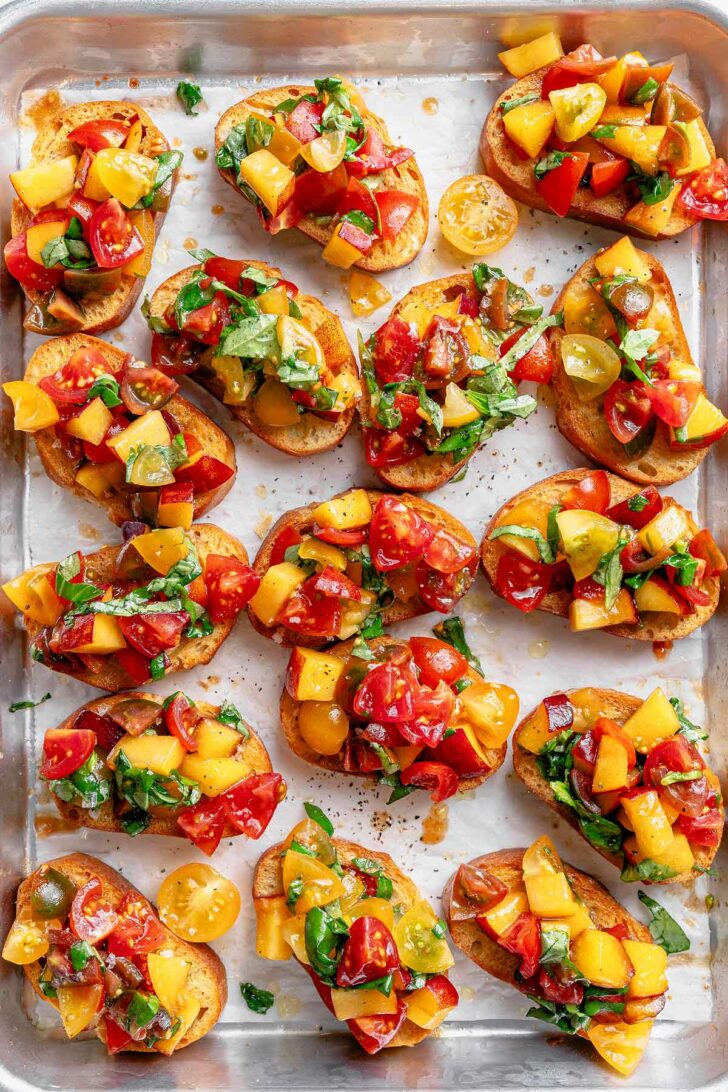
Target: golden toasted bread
(107, 673)
(657, 625)
(52, 143)
(251, 752)
(312, 434)
(301, 520)
(584, 423)
(268, 882)
(52, 355)
(289, 720)
(515, 174)
(405, 177)
(618, 707)
(207, 979)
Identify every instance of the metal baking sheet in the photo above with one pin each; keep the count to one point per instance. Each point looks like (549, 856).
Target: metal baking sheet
(433, 73)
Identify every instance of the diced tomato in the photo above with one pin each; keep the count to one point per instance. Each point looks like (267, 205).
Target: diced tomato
(395, 209)
(523, 939)
(590, 494)
(316, 192)
(396, 349)
(64, 751)
(607, 727)
(138, 929)
(68, 635)
(106, 731)
(102, 133)
(91, 917)
(673, 400)
(180, 716)
(448, 554)
(117, 1038)
(437, 661)
(703, 546)
(112, 237)
(620, 931)
(304, 120)
(175, 355)
(582, 65)
(627, 409)
(230, 586)
(440, 591)
(27, 272)
(204, 823)
(206, 474)
(136, 666)
(678, 755)
(336, 584)
(207, 323)
(522, 581)
(390, 448)
(286, 538)
(637, 511)
(397, 534)
(372, 1033)
(408, 406)
(353, 537)
(702, 830)
(705, 195)
(558, 187)
(358, 757)
(440, 780)
(249, 806)
(355, 236)
(82, 207)
(368, 953)
(374, 157)
(433, 712)
(563, 993)
(537, 365)
(359, 197)
(69, 385)
(605, 177)
(151, 634)
(229, 271)
(385, 694)
(310, 613)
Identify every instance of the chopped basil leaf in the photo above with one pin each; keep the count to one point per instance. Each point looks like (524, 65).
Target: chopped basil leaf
(316, 815)
(692, 732)
(645, 93)
(256, 999)
(17, 705)
(78, 594)
(190, 95)
(637, 503)
(230, 715)
(648, 871)
(653, 189)
(361, 220)
(527, 340)
(664, 930)
(107, 389)
(452, 632)
(604, 132)
(545, 551)
(512, 104)
(80, 953)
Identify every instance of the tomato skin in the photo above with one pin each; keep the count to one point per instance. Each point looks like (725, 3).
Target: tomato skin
(395, 209)
(83, 208)
(390, 448)
(524, 939)
(558, 187)
(582, 65)
(622, 513)
(27, 272)
(474, 891)
(229, 271)
(151, 634)
(628, 409)
(522, 582)
(441, 780)
(352, 537)
(384, 694)
(106, 731)
(433, 711)
(180, 717)
(372, 1033)
(703, 546)
(310, 613)
(64, 751)
(117, 1038)
(230, 585)
(178, 355)
(91, 918)
(336, 585)
(203, 823)
(397, 534)
(439, 591)
(446, 357)
(702, 830)
(112, 237)
(590, 494)
(706, 194)
(446, 553)
(437, 660)
(206, 474)
(287, 537)
(369, 953)
(396, 349)
(359, 197)
(98, 134)
(606, 177)
(135, 665)
(137, 931)
(303, 119)
(537, 365)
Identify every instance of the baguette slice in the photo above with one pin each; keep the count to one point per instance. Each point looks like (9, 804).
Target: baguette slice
(253, 753)
(207, 979)
(312, 435)
(52, 355)
(52, 143)
(289, 721)
(268, 882)
(515, 174)
(302, 520)
(619, 707)
(406, 177)
(506, 865)
(660, 626)
(190, 652)
(584, 424)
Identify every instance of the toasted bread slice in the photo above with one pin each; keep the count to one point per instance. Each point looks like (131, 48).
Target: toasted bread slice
(515, 174)
(495, 757)
(268, 882)
(618, 707)
(207, 979)
(190, 652)
(506, 865)
(584, 423)
(251, 751)
(52, 143)
(301, 519)
(406, 177)
(659, 625)
(312, 434)
(52, 355)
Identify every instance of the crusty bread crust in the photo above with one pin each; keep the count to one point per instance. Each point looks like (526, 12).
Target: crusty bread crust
(302, 520)
(52, 143)
(660, 626)
(52, 355)
(618, 707)
(268, 881)
(190, 652)
(252, 752)
(584, 423)
(289, 721)
(515, 174)
(312, 435)
(207, 979)
(506, 865)
(406, 177)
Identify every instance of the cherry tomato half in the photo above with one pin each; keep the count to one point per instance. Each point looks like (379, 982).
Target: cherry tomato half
(230, 584)
(628, 409)
(397, 534)
(522, 582)
(446, 553)
(440, 780)
(112, 237)
(706, 194)
(308, 612)
(64, 751)
(369, 953)
(678, 755)
(476, 215)
(151, 634)
(535, 366)
(390, 448)
(249, 805)
(474, 891)
(524, 939)
(396, 349)
(590, 494)
(204, 823)
(101, 133)
(637, 511)
(673, 400)
(91, 917)
(69, 386)
(582, 65)
(197, 903)
(702, 830)
(27, 272)
(440, 591)
(138, 929)
(437, 660)
(373, 1033)
(384, 694)
(207, 323)
(180, 716)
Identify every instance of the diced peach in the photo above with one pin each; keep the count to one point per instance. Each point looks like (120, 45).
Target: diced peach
(107, 637)
(216, 740)
(650, 964)
(352, 509)
(92, 423)
(654, 721)
(526, 58)
(529, 126)
(650, 824)
(601, 958)
(278, 584)
(214, 775)
(593, 614)
(45, 182)
(611, 770)
(353, 1004)
(623, 259)
(160, 754)
(100, 478)
(270, 916)
(657, 595)
(176, 506)
(312, 676)
(168, 974)
(78, 1006)
(150, 429)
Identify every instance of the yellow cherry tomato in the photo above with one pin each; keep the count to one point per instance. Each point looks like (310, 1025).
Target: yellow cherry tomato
(26, 942)
(325, 152)
(34, 409)
(128, 176)
(476, 216)
(197, 903)
(418, 943)
(591, 364)
(577, 110)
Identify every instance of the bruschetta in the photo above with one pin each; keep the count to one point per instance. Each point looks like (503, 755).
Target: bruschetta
(163, 601)
(409, 714)
(301, 154)
(587, 966)
(628, 776)
(358, 562)
(88, 211)
(627, 392)
(93, 947)
(440, 376)
(603, 139)
(590, 547)
(278, 359)
(114, 431)
(137, 762)
(373, 947)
